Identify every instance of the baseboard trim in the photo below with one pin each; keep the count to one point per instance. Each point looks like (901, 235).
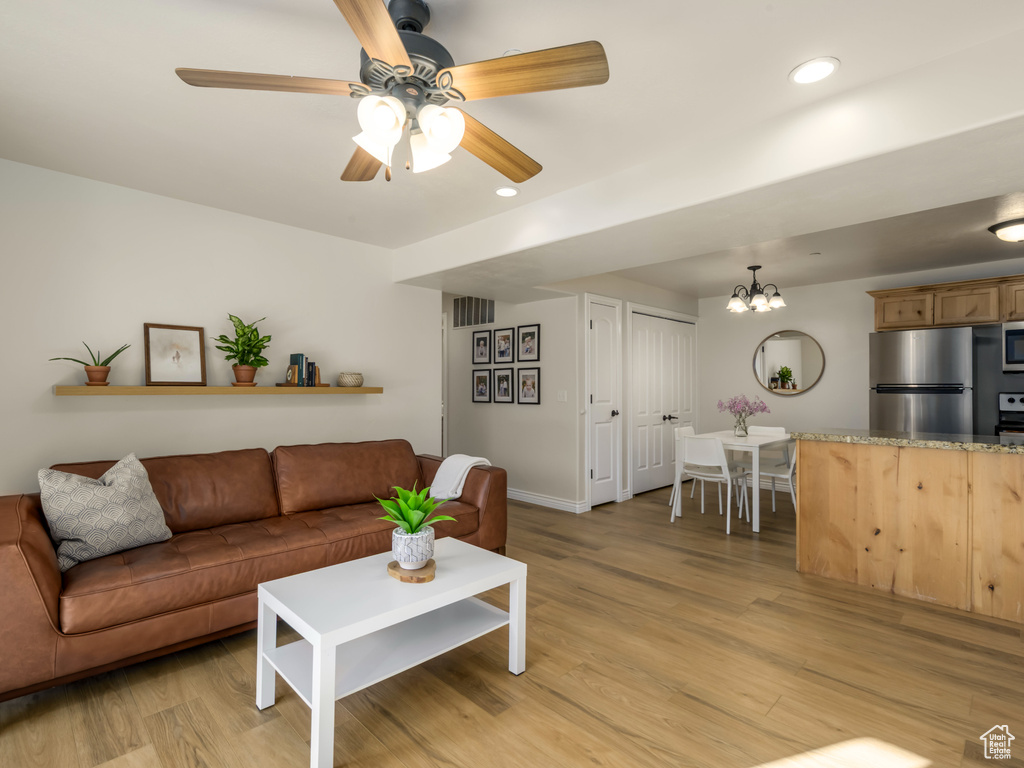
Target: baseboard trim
(540, 499)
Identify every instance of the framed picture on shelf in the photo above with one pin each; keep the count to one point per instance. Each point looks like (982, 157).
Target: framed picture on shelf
(481, 386)
(504, 345)
(175, 355)
(504, 385)
(529, 386)
(481, 347)
(528, 343)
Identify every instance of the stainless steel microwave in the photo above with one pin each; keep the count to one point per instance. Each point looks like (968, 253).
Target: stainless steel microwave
(1013, 346)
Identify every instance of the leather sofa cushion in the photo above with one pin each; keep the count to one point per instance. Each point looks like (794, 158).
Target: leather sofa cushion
(337, 474)
(199, 567)
(204, 490)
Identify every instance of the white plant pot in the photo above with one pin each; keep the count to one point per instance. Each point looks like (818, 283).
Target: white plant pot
(412, 550)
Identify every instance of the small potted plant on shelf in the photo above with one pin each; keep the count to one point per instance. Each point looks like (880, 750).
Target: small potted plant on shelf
(246, 349)
(412, 543)
(786, 376)
(99, 368)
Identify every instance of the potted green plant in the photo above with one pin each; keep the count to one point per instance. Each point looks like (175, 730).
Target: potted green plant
(99, 368)
(412, 542)
(785, 376)
(246, 349)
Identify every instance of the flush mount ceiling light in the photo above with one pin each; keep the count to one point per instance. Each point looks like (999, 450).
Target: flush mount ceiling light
(1010, 231)
(758, 298)
(506, 191)
(407, 77)
(814, 70)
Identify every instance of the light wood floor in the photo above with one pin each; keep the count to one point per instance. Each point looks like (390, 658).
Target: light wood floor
(649, 644)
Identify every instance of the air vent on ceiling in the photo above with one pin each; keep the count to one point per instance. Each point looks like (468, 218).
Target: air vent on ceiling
(473, 311)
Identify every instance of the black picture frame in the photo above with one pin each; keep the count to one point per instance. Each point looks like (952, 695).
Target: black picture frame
(528, 343)
(506, 377)
(505, 346)
(175, 355)
(481, 387)
(528, 377)
(481, 351)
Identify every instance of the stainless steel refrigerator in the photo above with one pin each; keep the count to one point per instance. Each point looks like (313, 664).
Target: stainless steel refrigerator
(922, 381)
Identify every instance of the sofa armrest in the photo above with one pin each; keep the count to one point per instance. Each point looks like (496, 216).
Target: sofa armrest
(486, 489)
(30, 584)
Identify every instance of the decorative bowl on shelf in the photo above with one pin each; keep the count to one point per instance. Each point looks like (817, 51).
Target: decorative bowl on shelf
(350, 379)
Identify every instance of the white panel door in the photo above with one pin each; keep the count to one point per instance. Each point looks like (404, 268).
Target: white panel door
(663, 384)
(605, 403)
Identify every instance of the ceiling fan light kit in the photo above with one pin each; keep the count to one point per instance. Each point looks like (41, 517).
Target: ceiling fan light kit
(407, 77)
(760, 298)
(1011, 231)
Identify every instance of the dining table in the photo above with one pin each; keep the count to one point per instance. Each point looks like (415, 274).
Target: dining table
(751, 444)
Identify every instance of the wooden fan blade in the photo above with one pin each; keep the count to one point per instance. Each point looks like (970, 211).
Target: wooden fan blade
(362, 167)
(375, 30)
(571, 66)
(250, 81)
(510, 162)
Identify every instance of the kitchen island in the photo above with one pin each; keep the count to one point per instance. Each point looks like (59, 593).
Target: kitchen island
(933, 517)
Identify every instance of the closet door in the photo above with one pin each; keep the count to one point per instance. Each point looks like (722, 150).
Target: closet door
(662, 383)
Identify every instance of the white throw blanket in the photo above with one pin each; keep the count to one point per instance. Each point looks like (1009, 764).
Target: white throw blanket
(451, 475)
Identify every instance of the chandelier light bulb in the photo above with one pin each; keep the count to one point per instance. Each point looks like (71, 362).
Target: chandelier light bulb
(776, 302)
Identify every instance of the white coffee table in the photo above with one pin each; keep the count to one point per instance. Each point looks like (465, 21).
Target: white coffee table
(360, 626)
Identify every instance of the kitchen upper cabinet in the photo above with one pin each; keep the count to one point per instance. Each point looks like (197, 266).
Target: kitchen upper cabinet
(969, 302)
(906, 311)
(1013, 301)
(968, 306)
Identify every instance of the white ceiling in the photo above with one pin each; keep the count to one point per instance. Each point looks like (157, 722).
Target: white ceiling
(697, 131)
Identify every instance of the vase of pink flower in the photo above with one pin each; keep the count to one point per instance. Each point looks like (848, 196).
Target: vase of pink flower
(742, 409)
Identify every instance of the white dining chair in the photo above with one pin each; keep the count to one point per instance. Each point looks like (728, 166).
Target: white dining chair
(777, 464)
(704, 458)
(678, 481)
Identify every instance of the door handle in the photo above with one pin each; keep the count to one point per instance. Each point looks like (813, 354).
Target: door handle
(615, 413)
(670, 418)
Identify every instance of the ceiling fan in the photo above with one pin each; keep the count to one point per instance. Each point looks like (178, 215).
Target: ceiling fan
(406, 77)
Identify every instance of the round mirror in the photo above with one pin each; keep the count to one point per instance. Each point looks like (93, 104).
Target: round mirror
(788, 363)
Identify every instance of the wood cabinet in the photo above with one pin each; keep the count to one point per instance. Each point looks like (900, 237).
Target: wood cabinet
(944, 526)
(894, 519)
(967, 306)
(895, 312)
(969, 302)
(1013, 301)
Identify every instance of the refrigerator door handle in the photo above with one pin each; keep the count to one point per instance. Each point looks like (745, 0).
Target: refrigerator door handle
(919, 389)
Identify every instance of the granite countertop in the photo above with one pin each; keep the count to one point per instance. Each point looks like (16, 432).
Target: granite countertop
(980, 443)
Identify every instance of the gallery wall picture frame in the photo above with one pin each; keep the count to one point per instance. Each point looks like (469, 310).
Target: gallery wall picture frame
(504, 385)
(175, 355)
(528, 343)
(481, 347)
(528, 386)
(504, 345)
(481, 386)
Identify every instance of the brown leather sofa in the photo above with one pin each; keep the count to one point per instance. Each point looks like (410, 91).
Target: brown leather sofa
(238, 518)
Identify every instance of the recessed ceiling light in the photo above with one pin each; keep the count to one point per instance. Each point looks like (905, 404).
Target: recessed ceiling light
(814, 70)
(1010, 231)
(506, 191)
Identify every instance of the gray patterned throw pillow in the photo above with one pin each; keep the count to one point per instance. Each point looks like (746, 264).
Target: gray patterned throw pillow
(91, 518)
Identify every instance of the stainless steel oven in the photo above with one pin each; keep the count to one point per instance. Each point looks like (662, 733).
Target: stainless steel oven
(1010, 427)
(1013, 346)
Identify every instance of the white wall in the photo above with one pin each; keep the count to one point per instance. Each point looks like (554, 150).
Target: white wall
(89, 261)
(840, 316)
(536, 444)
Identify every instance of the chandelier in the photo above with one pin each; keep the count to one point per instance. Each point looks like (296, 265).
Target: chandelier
(758, 298)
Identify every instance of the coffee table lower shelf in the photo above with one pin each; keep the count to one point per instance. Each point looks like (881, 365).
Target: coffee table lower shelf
(371, 658)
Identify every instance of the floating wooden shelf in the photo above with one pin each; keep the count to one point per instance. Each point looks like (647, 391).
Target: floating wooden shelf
(112, 391)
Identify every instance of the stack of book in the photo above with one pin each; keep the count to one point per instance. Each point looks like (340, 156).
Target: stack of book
(303, 372)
